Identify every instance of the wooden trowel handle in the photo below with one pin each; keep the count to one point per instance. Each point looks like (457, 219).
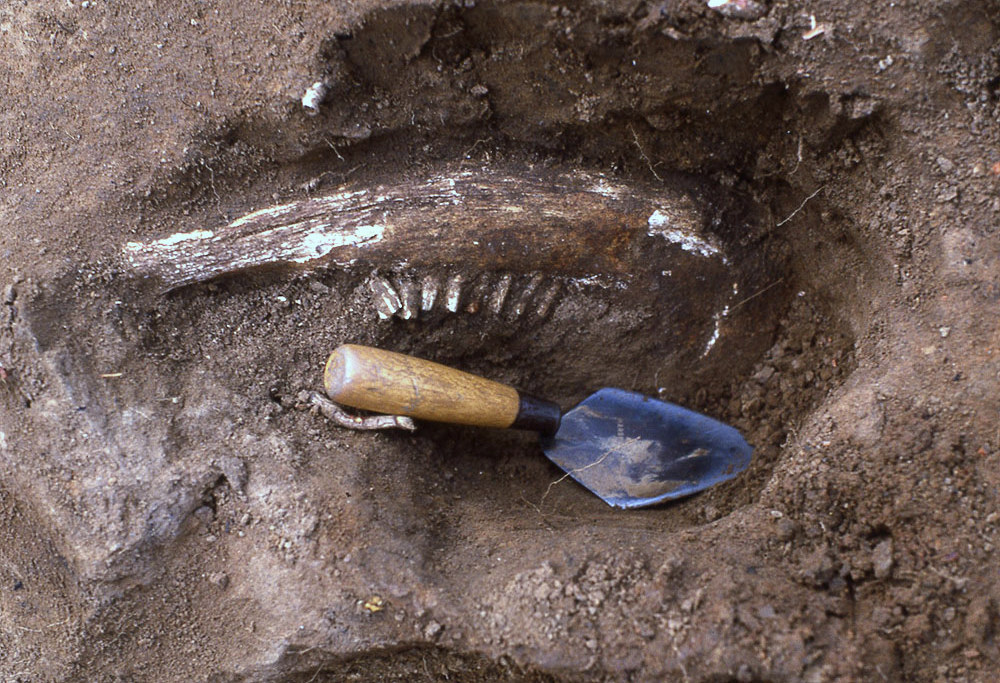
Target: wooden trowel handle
(388, 382)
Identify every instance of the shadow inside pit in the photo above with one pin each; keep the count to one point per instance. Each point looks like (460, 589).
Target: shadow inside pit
(419, 663)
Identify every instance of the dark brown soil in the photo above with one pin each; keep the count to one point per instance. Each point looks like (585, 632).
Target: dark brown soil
(172, 512)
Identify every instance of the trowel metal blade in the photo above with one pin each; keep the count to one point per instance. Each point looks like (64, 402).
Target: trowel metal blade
(632, 450)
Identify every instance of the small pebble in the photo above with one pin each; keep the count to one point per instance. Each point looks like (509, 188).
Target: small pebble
(204, 514)
(764, 374)
(314, 96)
(946, 165)
(748, 10)
(787, 530)
(882, 559)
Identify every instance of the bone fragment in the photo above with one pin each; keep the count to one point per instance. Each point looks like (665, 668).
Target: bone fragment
(342, 418)
(525, 220)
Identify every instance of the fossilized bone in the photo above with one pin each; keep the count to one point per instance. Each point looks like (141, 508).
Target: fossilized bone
(497, 241)
(574, 224)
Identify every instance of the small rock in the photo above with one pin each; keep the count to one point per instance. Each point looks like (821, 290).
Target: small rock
(220, 579)
(980, 622)
(764, 374)
(917, 627)
(882, 617)
(374, 604)
(945, 164)
(204, 514)
(747, 10)
(862, 107)
(314, 96)
(882, 559)
(787, 530)
(947, 194)
(432, 630)
(819, 567)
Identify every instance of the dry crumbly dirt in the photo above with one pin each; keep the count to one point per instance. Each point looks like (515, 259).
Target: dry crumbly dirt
(170, 511)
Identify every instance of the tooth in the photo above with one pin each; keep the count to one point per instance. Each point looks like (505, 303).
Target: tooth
(526, 294)
(428, 292)
(547, 298)
(453, 292)
(409, 295)
(499, 294)
(386, 298)
(478, 294)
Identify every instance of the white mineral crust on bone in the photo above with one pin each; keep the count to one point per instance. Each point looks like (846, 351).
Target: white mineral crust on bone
(659, 224)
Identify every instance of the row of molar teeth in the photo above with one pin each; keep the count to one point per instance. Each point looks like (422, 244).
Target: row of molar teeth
(404, 298)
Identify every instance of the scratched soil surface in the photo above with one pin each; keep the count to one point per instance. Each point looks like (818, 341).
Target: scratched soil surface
(172, 510)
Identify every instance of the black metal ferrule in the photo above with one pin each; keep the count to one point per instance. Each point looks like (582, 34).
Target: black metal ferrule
(538, 415)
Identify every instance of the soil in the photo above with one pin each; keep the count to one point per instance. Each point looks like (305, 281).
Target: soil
(172, 511)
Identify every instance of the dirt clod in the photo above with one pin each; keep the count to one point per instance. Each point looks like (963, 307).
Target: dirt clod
(882, 559)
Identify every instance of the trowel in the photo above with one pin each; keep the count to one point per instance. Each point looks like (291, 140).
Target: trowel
(628, 449)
